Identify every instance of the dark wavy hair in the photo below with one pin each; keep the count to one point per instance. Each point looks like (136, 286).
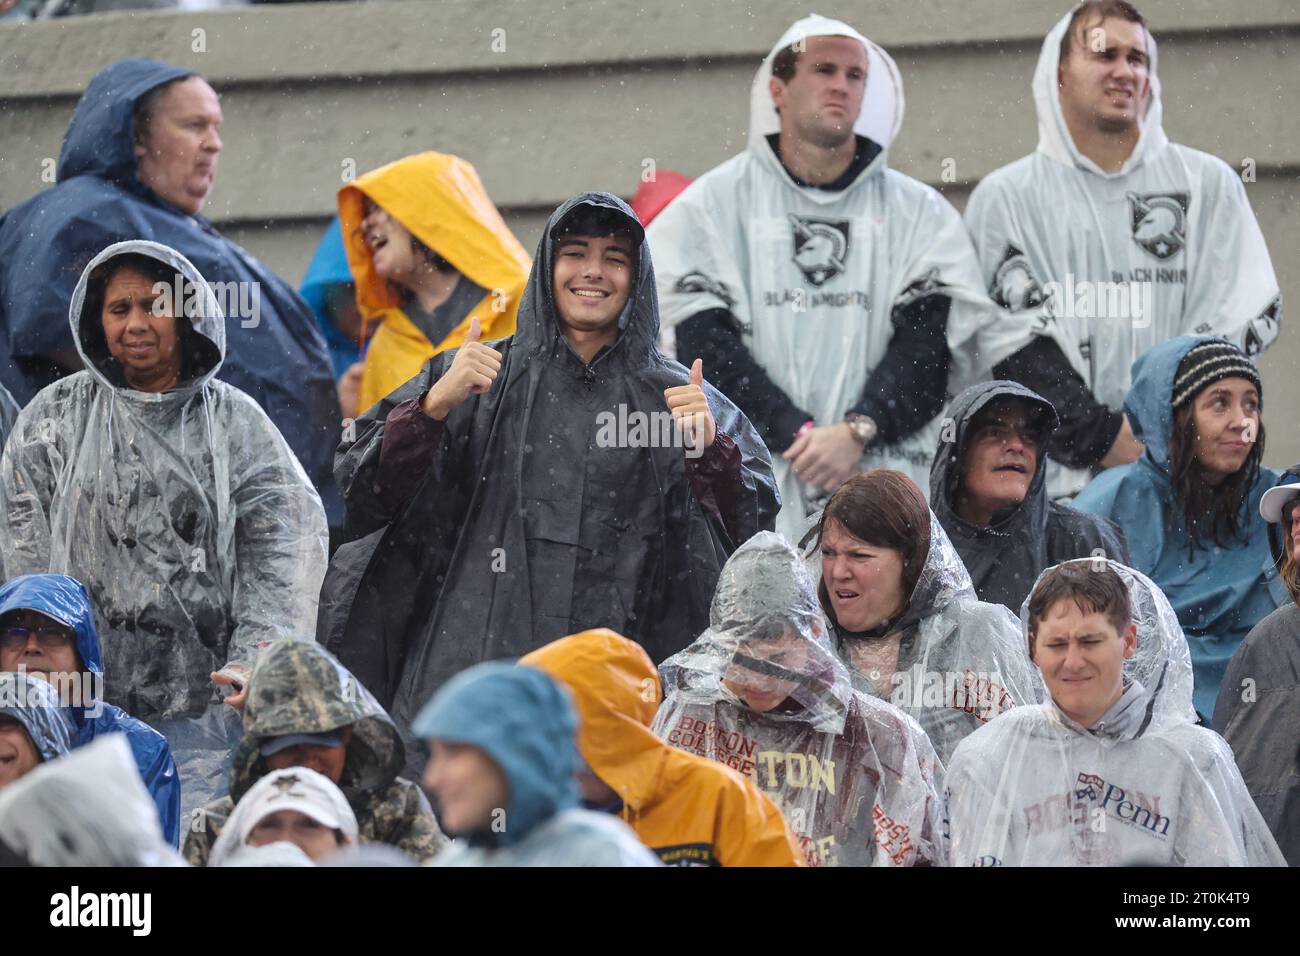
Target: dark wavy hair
(884, 508)
(1212, 514)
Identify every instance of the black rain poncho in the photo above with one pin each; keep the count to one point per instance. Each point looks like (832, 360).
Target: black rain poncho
(184, 513)
(857, 779)
(1145, 786)
(1005, 558)
(1258, 713)
(524, 529)
(949, 660)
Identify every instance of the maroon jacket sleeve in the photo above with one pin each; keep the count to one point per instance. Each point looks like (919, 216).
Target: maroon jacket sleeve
(406, 452)
(715, 479)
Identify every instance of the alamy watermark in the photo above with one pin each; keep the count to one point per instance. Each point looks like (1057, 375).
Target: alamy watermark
(636, 429)
(237, 300)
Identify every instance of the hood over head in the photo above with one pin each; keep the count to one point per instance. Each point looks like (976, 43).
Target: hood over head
(200, 321)
(89, 808)
(294, 788)
(946, 471)
(100, 139)
(882, 104)
(440, 200)
(298, 687)
(62, 598)
(525, 722)
(1150, 401)
(538, 325)
(328, 266)
(1161, 663)
(767, 630)
(616, 692)
(36, 706)
(1054, 138)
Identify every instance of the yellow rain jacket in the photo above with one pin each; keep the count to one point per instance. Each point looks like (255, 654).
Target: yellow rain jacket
(440, 200)
(690, 810)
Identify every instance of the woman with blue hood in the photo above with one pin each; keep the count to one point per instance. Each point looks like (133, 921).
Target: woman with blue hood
(139, 160)
(1189, 506)
(503, 755)
(171, 496)
(518, 491)
(61, 641)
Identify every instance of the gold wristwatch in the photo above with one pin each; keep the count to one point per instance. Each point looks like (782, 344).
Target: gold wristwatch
(863, 428)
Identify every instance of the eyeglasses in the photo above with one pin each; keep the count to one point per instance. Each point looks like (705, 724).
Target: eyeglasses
(47, 635)
(1002, 434)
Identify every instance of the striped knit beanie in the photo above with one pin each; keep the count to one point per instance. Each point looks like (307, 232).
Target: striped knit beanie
(1211, 361)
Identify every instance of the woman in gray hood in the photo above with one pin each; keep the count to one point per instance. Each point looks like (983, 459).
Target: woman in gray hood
(171, 496)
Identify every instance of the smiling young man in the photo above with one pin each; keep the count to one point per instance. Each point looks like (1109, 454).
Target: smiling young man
(827, 293)
(1113, 771)
(988, 489)
(510, 515)
(1109, 239)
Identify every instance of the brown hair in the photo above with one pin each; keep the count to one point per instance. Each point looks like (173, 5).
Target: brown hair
(1094, 591)
(1290, 572)
(1102, 10)
(884, 508)
(1211, 513)
(784, 63)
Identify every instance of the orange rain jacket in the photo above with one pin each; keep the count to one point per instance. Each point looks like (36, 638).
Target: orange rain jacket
(440, 200)
(692, 811)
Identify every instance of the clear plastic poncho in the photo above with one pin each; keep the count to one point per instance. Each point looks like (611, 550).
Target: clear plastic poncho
(856, 779)
(88, 808)
(950, 660)
(184, 513)
(1144, 787)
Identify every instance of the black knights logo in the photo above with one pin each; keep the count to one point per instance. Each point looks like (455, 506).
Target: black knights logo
(1015, 286)
(1159, 222)
(821, 247)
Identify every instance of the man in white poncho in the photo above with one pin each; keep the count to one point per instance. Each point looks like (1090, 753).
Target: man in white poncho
(1113, 771)
(828, 294)
(1109, 240)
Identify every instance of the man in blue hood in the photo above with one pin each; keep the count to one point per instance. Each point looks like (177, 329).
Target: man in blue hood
(1189, 506)
(501, 770)
(138, 161)
(47, 628)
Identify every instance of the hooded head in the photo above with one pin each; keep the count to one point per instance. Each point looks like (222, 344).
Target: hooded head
(64, 600)
(34, 707)
(439, 200)
(102, 139)
(298, 687)
(768, 646)
(965, 463)
(524, 722)
(539, 325)
(882, 104)
(89, 808)
(297, 806)
(1161, 661)
(616, 692)
(199, 325)
(1054, 137)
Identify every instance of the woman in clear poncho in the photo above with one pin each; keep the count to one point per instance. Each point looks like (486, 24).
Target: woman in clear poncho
(762, 691)
(171, 496)
(1113, 770)
(904, 615)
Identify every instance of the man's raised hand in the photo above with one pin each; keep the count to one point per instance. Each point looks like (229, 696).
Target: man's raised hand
(690, 409)
(472, 372)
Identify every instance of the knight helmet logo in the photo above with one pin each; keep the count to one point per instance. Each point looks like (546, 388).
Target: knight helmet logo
(1159, 222)
(820, 247)
(1015, 286)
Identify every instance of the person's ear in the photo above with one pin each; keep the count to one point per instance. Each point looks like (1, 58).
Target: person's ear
(1130, 640)
(1033, 646)
(776, 88)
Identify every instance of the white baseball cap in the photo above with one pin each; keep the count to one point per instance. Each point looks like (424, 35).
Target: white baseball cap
(1270, 506)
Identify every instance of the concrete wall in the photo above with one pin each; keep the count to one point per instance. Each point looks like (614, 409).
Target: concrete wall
(550, 97)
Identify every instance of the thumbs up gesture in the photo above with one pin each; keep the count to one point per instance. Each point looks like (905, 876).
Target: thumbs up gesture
(690, 409)
(472, 372)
